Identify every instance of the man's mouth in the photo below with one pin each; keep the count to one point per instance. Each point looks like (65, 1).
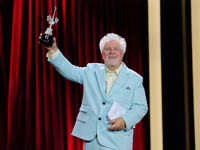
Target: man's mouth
(112, 57)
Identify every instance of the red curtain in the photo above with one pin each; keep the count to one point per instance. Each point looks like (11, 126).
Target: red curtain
(38, 107)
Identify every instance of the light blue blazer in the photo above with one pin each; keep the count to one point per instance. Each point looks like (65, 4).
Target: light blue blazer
(92, 119)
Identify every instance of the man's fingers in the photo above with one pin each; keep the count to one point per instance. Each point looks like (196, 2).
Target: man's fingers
(112, 127)
(112, 121)
(117, 124)
(54, 39)
(40, 36)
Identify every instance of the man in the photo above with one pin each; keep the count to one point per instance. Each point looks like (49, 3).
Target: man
(103, 85)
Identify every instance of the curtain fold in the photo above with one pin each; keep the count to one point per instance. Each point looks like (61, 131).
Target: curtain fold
(38, 107)
(3, 91)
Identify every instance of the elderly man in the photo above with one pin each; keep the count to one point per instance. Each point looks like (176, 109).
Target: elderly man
(103, 85)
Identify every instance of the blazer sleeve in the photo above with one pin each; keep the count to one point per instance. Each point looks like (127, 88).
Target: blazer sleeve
(138, 108)
(68, 70)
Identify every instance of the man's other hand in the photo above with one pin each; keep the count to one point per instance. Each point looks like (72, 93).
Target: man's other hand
(117, 124)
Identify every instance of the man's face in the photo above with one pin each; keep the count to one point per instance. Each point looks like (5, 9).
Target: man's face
(112, 55)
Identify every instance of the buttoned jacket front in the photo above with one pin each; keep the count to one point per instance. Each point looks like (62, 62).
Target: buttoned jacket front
(92, 119)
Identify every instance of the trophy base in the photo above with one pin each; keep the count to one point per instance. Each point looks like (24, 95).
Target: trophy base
(46, 40)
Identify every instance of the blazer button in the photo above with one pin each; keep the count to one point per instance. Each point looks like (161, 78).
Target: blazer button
(99, 118)
(104, 103)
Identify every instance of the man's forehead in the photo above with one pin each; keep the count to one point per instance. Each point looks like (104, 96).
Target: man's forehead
(112, 43)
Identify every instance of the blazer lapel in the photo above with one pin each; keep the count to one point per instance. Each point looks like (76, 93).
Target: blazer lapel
(100, 74)
(121, 79)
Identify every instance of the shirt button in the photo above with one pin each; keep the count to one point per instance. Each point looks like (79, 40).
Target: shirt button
(104, 103)
(99, 118)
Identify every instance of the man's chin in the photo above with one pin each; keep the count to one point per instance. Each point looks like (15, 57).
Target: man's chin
(110, 65)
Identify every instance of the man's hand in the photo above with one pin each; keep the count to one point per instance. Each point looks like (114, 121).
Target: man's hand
(117, 124)
(52, 49)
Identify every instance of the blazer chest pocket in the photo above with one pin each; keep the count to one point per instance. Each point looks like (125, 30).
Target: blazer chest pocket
(82, 116)
(124, 94)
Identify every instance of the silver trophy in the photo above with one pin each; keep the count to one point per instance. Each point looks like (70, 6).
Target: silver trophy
(47, 38)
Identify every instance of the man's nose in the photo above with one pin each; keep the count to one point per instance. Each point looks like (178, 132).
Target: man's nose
(112, 50)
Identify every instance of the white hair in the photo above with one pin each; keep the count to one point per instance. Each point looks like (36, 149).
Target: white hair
(112, 37)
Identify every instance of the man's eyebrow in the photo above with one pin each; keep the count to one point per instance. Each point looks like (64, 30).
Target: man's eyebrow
(111, 46)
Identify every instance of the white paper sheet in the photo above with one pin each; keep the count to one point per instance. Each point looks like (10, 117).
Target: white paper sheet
(115, 111)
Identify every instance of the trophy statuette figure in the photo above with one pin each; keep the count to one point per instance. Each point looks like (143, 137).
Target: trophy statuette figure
(47, 38)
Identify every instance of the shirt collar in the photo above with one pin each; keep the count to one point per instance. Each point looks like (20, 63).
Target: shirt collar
(117, 71)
